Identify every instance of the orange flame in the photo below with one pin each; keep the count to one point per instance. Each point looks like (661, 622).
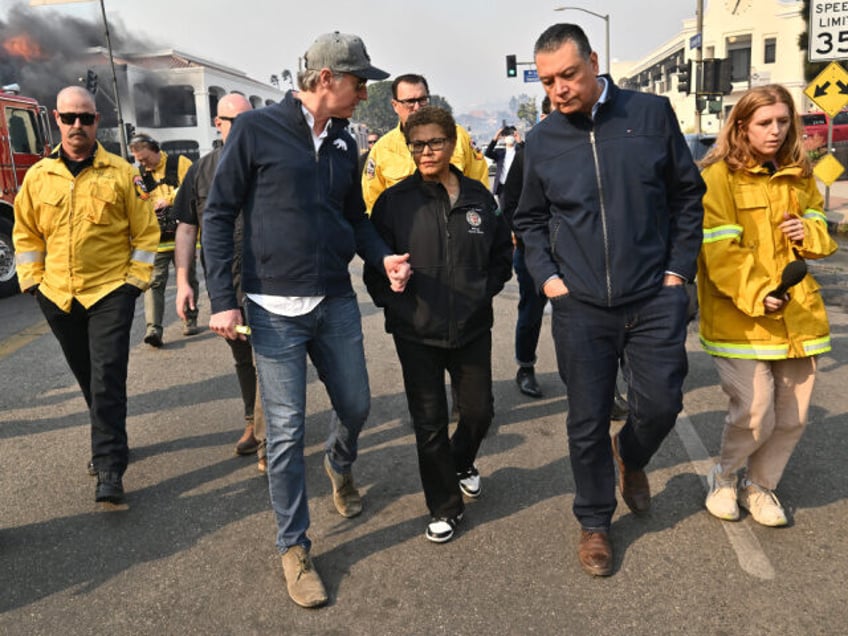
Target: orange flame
(23, 46)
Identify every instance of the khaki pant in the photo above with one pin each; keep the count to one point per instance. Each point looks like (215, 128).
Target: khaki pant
(769, 401)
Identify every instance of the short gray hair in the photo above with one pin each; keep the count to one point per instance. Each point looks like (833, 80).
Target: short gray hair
(307, 79)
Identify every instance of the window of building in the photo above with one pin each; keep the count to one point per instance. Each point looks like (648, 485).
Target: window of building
(770, 53)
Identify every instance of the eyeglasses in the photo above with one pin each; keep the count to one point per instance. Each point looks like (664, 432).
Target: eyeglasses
(225, 118)
(435, 144)
(371, 142)
(410, 103)
(86, 119)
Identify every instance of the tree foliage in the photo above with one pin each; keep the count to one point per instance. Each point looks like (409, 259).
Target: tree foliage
(377, 113)
(527, 111)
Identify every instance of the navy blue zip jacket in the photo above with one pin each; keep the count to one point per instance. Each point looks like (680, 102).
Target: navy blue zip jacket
(610, 205)
(304, 217)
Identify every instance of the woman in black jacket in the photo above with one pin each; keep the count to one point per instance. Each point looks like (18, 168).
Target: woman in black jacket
(461, 256)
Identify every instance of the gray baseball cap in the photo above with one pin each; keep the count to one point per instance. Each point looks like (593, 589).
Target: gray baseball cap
(342, 53)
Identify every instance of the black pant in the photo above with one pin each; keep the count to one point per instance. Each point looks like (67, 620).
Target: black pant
(96, 343)
(242, 352)
(440, 458)
(648, 338)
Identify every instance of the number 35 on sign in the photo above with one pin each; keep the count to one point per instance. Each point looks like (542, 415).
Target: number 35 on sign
(828, 30)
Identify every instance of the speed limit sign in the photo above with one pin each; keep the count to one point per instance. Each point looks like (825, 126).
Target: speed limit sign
(828, 30)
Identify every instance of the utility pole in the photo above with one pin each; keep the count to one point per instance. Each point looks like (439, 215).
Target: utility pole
(699, 58)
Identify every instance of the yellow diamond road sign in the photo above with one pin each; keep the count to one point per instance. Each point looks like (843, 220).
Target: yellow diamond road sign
(828, 170)
(830, 89)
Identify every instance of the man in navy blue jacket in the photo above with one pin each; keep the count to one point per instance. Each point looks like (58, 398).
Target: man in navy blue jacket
(611, 217)
(292, 168)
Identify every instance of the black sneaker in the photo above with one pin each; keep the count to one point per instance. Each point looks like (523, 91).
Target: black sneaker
(441, 530)
(153, 338)
(469, 482)
(110, 488)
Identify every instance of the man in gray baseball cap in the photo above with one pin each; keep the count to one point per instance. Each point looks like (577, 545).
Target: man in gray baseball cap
(342, 53)
(292, 168)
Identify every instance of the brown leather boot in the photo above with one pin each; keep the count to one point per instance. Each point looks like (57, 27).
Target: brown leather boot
(248, 444)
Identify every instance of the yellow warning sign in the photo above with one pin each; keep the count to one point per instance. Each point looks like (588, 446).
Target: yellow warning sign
(828, 169)
(830, 89)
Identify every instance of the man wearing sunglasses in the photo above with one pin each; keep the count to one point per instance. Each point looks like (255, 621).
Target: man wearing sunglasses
(291, 170)
(85, 244)
(390, 162)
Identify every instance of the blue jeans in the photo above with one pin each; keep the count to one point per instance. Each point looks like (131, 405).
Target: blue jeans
(531, 308)
(331, 335)
(648, 338)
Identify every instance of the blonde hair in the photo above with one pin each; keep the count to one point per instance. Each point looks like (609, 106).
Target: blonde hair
(733, 146)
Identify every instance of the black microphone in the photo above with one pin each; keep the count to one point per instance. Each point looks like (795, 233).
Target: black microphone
(792, 274)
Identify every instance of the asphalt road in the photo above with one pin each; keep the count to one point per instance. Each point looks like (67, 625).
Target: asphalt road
(194, 554)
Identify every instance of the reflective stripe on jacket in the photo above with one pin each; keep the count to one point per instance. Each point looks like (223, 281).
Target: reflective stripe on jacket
(743, 255)
(83, 237)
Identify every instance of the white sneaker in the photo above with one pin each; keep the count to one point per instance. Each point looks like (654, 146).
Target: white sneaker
(763, 505)
(721, 500)
(469, 482)
(441, 530)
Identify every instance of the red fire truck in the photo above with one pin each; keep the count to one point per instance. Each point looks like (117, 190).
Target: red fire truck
(24, 139)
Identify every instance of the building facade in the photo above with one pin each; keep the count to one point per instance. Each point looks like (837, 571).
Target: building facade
(757, 41)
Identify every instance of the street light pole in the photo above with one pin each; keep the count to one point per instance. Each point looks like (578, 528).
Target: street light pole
(605, 18)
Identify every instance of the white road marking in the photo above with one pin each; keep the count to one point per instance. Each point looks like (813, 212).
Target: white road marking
(752, 559)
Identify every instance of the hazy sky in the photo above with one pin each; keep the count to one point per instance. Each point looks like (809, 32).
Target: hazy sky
(459, 45)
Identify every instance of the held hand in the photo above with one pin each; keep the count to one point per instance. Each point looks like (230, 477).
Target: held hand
(398, 270)
(185, 299)
(773, 304)
(670, 280)
(224, 324)
(555, 287)
(792, 227)
(160, 204)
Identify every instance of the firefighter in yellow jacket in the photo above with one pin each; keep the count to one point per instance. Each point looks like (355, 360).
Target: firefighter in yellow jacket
(161, 175)
(85, 245)
(389, 160)
(762, 210)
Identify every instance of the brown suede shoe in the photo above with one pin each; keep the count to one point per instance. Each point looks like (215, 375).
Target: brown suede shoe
(247, 444)
(302, 581)
(633, 484)
(595, 552)
(346, 497)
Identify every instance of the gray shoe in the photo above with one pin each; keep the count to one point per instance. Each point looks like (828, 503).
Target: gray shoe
(302, 581)
(345, 495)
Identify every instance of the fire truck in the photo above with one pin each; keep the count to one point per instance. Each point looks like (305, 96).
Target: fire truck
(24, 139)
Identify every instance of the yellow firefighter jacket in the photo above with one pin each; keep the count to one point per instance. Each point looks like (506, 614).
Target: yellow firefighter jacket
(390, 162)
(743, 255)
(167, 191)
(83, 237)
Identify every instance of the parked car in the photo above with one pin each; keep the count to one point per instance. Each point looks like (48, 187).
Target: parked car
(816, 124)
(699, 144)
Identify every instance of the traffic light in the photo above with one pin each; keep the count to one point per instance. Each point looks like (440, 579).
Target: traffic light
(91, 82)
(725, 77)
(709, 76)
(511, 66)
(684, 78)
(129, 130)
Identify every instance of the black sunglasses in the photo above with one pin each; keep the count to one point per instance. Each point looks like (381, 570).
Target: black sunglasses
(86, 119)
(225, 118)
